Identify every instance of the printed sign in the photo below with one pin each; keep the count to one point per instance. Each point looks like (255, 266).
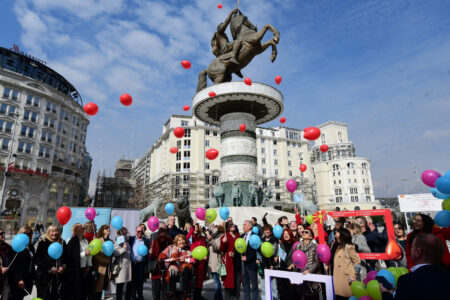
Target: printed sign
(419, 203)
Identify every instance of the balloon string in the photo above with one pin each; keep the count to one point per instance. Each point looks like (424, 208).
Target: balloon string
(26, 291)
(12, 260)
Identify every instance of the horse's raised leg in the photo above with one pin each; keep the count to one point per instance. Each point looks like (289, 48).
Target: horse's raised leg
(274, 49)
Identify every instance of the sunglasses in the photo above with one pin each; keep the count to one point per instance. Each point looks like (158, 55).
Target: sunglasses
(139, 231)
(306, 232)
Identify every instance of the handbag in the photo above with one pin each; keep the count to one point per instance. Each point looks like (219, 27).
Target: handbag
(221, 269)
(115, 269)
(360, 269)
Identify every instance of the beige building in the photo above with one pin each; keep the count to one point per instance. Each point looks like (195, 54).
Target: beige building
(280, 151)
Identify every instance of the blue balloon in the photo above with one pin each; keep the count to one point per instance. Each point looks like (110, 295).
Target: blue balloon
(254, 241)
(117, 222)
(296, 198)
(438, 194)
(255, 230)
(55, 250)
(224, 212)
(108, 248)
(20, 242)
(447, 174)
(142, 250)
(442, 218)
(353, 298)
(443, 184)
(388, 276)
(278, 231)
(169, 208)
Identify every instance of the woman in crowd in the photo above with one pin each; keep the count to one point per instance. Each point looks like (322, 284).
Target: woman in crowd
(213, 236)
(424, 224)
(298, 232)
(101, 264)
(5, 253)
(400, 234)
(90, 230)
(294, 228)
(22, 270)
(50, 272)
(343, 262)
(358, 239)
(79, 263)
(177, 256)
(233, 263)
(121, 267)
(287, 241)
(160, 243)
(309, 290)
(269, 262)
(197, 238)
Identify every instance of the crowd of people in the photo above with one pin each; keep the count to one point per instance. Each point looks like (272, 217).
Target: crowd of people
(175, 274)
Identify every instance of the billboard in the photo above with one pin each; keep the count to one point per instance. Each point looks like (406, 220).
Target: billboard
(419, 203)
(103, 217)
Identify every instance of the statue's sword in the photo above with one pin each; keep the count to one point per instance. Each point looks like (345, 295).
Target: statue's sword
(237, 4)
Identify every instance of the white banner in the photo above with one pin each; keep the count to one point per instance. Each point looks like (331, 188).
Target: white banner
(419, 203)
(130, 219)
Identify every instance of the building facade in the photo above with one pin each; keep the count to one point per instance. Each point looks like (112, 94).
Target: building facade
(280, 151)
(42, 134)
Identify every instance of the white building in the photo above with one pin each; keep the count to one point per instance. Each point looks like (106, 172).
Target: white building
(280, 151)
(42, 137)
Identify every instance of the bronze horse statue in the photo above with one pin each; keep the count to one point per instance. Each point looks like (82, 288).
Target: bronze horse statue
(221, 69)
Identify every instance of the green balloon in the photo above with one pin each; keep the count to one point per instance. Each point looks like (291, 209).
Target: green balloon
(95, 246)
(211, 215)
(446, 204)
(36, 299)
(358, 289)
(403, 270)
(396, 272)
(373, 288)
(267, 249)
(240, 245)
(200, 252)
(309, 219)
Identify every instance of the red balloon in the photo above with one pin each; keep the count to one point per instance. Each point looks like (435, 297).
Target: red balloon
(126, 99)
(178, 132)
(91, 109)
(63, 215)
(173, 150)
(186, 108)
(303, 167)
(282, 120)
(324, 148)
(242, 127)
(212, 154)
(219, 6)
(186, 64)
(278, 79)
(212, 94)
(248, 81)
(311, 133)
(393, 251)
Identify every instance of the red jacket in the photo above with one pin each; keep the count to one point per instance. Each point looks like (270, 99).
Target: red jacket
(226, 248)
(199, 269)
(298, 218)
(443, 234)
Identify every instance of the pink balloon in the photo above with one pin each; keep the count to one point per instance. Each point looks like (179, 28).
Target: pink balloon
(299, 259)
(371, 276)
(429, 177)
(291, 185)
(90, 213)
(153, 223)
(200, 213)
(323, 253)
(296, 243)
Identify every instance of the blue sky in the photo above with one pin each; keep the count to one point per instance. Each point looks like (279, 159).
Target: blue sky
(382, 67)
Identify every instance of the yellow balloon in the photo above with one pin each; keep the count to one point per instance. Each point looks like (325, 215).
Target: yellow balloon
(95, 246)
(211, 215)
(240, 245)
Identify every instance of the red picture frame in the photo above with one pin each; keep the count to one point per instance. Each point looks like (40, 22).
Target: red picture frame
(367, 213)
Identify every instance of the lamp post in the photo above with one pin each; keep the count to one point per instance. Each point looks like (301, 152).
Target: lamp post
(2, 202)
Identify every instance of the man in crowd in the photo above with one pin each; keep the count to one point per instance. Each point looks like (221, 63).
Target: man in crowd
(427, 280)
(138, 263)
(172, 229)
(250, 268)
(255, 223)
(377, 241)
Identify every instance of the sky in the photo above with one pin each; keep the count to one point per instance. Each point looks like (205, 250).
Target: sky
(382, 67)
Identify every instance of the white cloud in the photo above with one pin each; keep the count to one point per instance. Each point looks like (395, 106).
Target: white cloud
(434, 134)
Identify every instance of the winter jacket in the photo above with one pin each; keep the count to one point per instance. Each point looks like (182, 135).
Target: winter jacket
(123, 257)
(343, 269)
(215, 257)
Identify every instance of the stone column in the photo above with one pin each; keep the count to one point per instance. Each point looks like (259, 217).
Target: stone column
(238, 155)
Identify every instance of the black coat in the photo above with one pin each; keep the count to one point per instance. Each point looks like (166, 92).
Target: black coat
(427, 282)
(23, 268)
(250, 255)
(74, 276)
(146, 243)
(173, 232)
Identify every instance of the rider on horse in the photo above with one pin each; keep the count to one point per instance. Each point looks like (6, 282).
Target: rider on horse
(221, 44)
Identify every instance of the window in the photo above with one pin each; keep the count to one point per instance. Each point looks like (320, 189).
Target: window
(339, 173)
(186, 167)
(51, 107)
(274, 141)
(186, 192)
(335, 167)
(275, 162)
(45, 152)
(368, 198)
(289, 163)
(340, 182)
(263, 150)
(338, 192)
(262, 140)
(207, 166)
(278, 196)
(184, 123)
(46, 136)
(177, 167)
(207, 180)
(6, 126)
(207, 143)
(179, 144)
(367, 190)
(187, 155)
(207, 132)
(276, 172)
(353, 190)
(363, 166)
(206, 193)
(340, 136)
(185, 178)
(5, 143)
(215, 179)
(338, 199)
(349, 181)
(10, 94)
(187, 144)
(351, 165)
(354, 180)
(275, 152)
(187, 133)
(214, 133)
(31, 100)
(177, 193)
(264, 171)
(288, 144)
(354, 198)
(334, 174)
(264, 183)
(290, 173)
(289, 153)
(50, 122)
(55, 154)
(178, 155)
(30, 116)
(323, 138)
(24, 147)
(263, 161)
